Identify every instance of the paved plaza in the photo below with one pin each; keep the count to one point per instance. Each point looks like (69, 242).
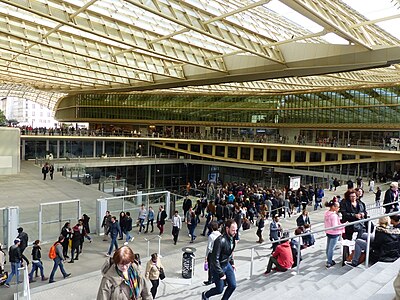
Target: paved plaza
(27, 190)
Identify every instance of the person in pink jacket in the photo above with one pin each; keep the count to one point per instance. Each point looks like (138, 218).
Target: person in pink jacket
(331, 219)
(282, 258)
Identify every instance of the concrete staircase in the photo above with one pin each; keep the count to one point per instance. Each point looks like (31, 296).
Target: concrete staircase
(313, 282)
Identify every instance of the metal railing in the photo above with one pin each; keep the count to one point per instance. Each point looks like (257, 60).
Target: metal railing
(25, 293)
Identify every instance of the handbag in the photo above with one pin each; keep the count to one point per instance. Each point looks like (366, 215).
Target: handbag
(205, 266)
(162, 273)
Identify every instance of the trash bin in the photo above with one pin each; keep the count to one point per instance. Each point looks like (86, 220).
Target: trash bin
(87, 179)
(188, 261)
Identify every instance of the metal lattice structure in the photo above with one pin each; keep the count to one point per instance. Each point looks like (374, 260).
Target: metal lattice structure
(51, 48)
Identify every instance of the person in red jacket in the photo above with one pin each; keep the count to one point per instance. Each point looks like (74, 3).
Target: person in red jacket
(282, 258)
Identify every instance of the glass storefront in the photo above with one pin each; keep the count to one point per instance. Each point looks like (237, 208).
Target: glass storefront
(367, 106)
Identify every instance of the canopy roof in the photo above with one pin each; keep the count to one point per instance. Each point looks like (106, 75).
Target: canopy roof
(51, 48)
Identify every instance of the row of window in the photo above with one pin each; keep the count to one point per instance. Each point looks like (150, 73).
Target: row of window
(366, 106)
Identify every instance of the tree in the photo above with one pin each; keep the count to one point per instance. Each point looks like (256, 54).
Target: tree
(3, 120)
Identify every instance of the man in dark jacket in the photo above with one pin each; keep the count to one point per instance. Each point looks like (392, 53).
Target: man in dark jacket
(114, 229)
(161, 216)
(391, 201)
(222, 264)
(15, 259)
(187, 203)
(106, 224)
(23, 236)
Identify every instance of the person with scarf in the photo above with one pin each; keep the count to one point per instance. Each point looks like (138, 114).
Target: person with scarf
(122, 278)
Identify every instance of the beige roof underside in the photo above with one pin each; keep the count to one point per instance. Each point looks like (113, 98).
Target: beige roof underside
(49, 48)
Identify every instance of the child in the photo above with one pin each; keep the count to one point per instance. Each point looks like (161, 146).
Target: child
(308, 240)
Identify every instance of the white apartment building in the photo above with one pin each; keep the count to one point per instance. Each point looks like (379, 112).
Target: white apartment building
(27, 113)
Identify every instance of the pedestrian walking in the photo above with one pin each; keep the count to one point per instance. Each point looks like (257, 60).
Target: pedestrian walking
(113, 232)
(58, 260)
(128, 228)
(161, 216)
(142, 217)
(106, 224)
(37, 261)
(123, 278)
(23, 236)
(15, 258)
(176, 226)
(222, 263)
(45, 170)
(51, 171)
(153, 273)
(150, 220)
(211, 239)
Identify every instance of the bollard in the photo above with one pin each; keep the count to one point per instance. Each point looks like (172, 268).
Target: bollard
(159, 246)
(251, 261)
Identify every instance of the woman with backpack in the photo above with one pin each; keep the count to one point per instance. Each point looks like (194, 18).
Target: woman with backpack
(56, 254)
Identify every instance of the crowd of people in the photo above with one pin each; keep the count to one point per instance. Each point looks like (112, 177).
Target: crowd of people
(232, 208)
(69, 245)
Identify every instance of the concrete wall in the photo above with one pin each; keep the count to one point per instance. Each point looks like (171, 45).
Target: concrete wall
(9, 151)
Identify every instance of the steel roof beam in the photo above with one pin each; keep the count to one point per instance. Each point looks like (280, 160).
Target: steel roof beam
(340, 19)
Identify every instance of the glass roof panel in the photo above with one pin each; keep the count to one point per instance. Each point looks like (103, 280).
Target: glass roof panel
(219, 46)
(375, 10)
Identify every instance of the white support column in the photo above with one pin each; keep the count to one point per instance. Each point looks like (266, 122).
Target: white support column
(168, 204)
(101, 208)
(12, 219)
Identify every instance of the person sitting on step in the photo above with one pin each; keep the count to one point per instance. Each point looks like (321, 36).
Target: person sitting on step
(282, 257)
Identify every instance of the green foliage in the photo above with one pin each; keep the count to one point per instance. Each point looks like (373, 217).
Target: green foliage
(3, 120)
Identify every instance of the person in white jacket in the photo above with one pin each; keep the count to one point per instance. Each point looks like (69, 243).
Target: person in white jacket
(211, 238)
(176, 225)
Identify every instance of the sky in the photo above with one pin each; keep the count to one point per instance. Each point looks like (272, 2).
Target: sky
(371, 9)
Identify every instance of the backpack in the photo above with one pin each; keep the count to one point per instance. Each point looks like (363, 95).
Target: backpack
(52, 251)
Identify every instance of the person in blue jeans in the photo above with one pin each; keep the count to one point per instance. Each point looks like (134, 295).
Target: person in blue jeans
(222, 264)
(332, 219)
(36, 261)
(150, 220)
(15, 257)
(58, 260)
(113, 232)
(142, 217)
(128, 228)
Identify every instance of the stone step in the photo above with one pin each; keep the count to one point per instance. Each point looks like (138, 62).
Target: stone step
(386, 292)
(387, 274)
